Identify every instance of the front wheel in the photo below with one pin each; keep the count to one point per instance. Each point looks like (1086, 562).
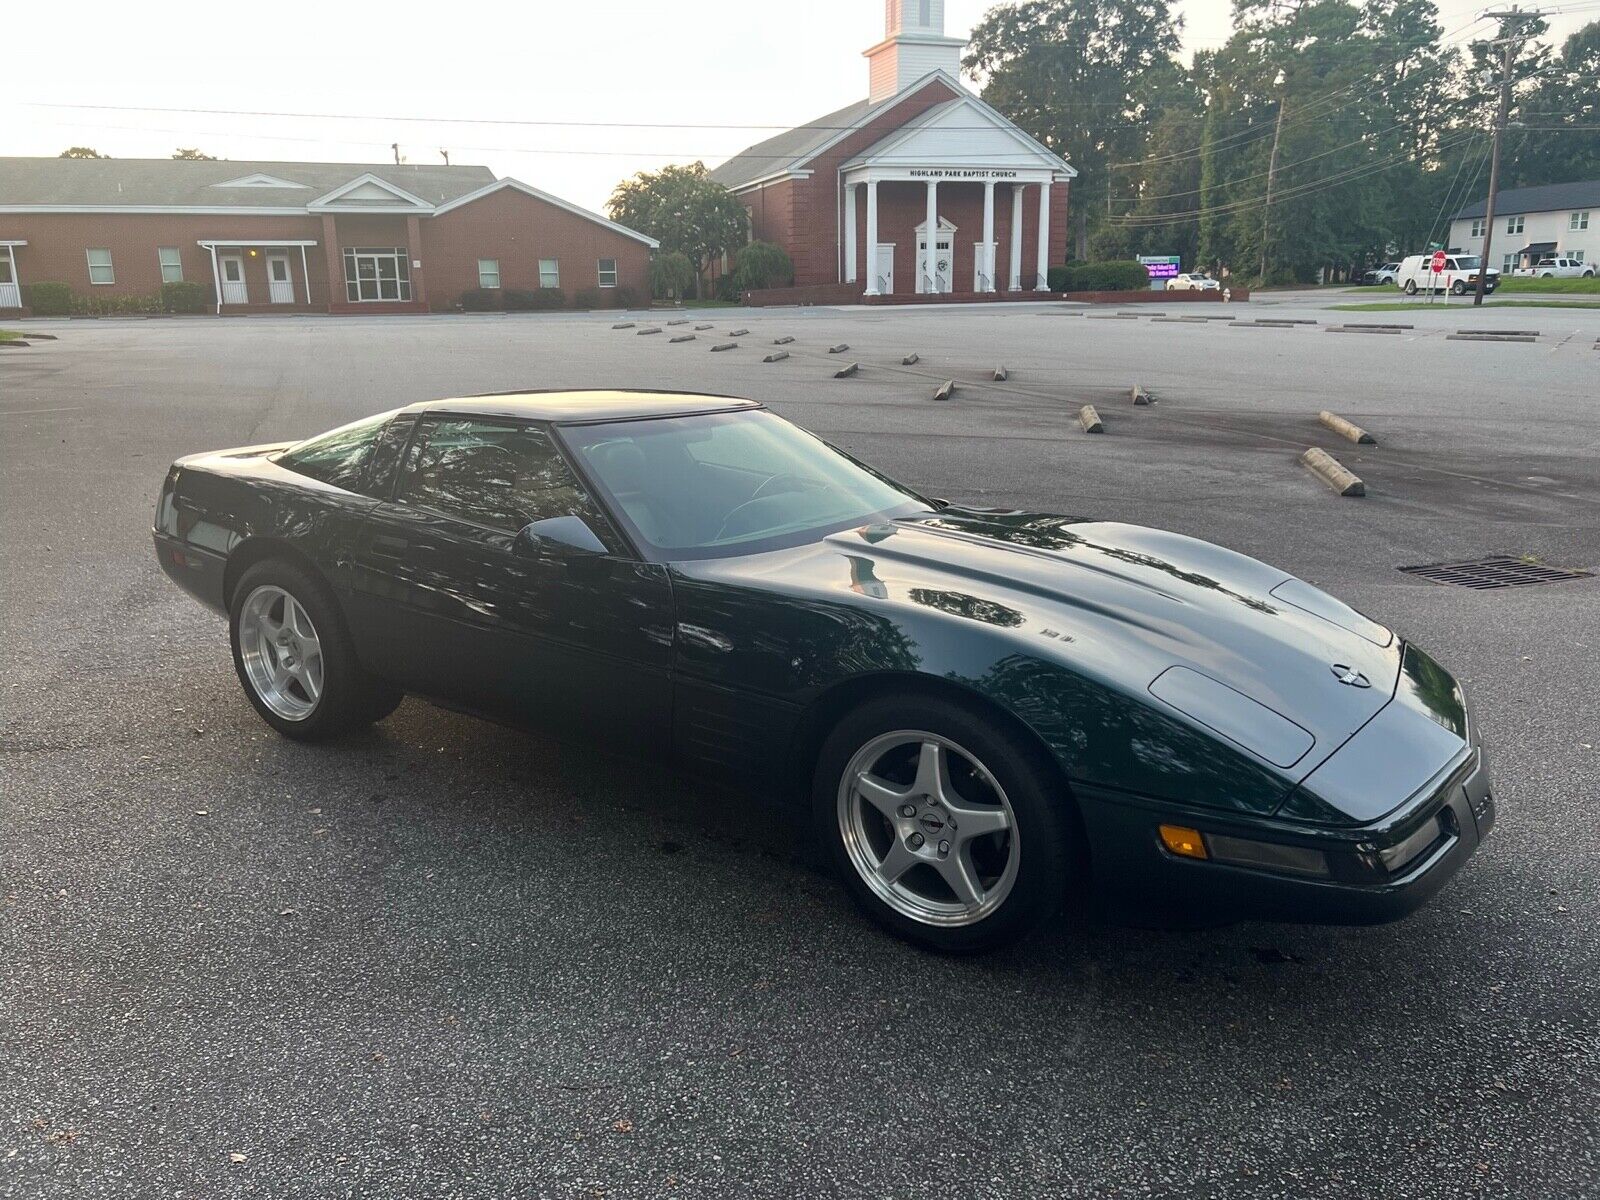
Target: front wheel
(947, 828)
(1458, 288)
(295, 659)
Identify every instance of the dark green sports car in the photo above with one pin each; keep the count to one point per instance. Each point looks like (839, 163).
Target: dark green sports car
(988, 712)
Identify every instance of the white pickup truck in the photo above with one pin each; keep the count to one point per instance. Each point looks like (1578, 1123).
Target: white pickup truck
(1557, 268)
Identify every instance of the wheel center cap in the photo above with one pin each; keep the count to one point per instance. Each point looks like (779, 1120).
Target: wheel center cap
(931, 821)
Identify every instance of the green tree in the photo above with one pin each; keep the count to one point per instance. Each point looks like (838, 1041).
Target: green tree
(762, 265)
(192, 155)
(1084, 77)
(81, 152)
(671, 274)
(684, 210)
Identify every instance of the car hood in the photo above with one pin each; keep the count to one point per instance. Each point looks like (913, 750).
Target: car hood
(1128, 605)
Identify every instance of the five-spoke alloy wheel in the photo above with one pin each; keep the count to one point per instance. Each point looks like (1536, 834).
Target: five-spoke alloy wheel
(295, 658)
(948, 827)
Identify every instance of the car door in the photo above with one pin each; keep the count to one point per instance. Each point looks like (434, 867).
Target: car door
(450, 604)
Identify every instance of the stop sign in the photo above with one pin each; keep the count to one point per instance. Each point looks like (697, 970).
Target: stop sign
(1438, 262)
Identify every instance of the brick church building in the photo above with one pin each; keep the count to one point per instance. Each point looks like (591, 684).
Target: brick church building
(854, 195)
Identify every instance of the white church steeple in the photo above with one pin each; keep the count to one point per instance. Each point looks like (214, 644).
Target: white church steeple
(914, 44)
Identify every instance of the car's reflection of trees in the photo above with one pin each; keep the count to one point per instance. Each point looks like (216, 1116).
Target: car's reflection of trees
(1102, 736)
(973, 608)
(1053, 533)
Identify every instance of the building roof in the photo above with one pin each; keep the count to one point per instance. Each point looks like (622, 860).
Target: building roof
(586, 406)
(168, 183)
(1550, 197)
(791, 149)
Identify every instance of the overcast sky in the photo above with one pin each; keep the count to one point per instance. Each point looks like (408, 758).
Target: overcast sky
(692, 69)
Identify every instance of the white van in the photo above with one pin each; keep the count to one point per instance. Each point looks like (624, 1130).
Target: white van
(1460, 275)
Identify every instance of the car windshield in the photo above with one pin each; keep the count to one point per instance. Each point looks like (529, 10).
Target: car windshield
(1467, 262)
(719, 484)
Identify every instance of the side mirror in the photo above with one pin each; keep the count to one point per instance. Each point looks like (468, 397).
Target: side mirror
(563, 536)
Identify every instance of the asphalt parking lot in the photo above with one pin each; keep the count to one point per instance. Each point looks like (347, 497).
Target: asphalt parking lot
(444, 959)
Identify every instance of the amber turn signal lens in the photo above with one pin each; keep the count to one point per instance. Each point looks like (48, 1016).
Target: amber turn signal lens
(1185, 843)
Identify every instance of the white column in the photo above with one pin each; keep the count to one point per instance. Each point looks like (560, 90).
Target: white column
(933, 233)
(1043, 283)
(1016, 237)
(988, 236)
(216, 276)
(849, 233)
(305, 273)
(872, 237)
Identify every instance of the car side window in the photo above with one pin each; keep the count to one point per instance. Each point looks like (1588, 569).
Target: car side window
(498, 474)
(338, 457)
(385, 463)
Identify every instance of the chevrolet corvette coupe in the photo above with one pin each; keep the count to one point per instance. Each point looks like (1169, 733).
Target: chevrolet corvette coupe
(989, 713)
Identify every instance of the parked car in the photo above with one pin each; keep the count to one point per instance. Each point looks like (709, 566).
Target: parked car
(1383, 273)
(1194, 281)
(1460, 275)
(986, 711)
(1557, 268)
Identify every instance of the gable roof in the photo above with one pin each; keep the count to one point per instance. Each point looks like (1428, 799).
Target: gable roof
(994, 142)
(528, 189)
(1550, 197)
(74, 184)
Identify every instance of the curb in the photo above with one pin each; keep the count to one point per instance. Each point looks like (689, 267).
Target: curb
(1367, 328)
(1139, 396)
(652, 329)
(720, 346)
(846, 371)
(776, 356)
(1491, 337)
(623, 325)
(1346, 429)
(1001, 374)
(735, 332)
(1090, 420)
(784, 341)
(945, 390)
(910, 358)
(839, 349)
(682, 337)
(1332, 472)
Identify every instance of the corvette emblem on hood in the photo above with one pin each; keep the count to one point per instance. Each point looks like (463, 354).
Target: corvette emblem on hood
(1350, 676)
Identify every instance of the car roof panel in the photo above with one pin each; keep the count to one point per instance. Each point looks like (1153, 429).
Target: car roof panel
(584, 406)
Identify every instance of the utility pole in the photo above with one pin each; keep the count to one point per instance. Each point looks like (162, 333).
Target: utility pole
(395, 146)
(1511, 42)
(1272, 171)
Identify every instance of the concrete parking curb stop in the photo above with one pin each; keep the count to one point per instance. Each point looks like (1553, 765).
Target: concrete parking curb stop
(846, 371)
(911, 358)
(776, 356)
(839, 349)
(1001, 374)
(1139, 396)
(679, 321)
(1180, 320)
(945, 390)
(1256, 325)
(783, 341)
(720, 346)
(1111, 316)
(652, 329)
(701, 328)
(737, 332)
(1333, 473)
(1491, 337)
(682, 337)
(1346, 429)
(1090, 420)
(623, 325)
(1367, 328)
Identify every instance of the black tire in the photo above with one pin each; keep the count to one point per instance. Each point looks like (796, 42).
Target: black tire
(351, 697)
(1411, 287)
(1458, 288)
(1046, 826)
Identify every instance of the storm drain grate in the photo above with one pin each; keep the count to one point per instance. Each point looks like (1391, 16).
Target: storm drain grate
(1500, 572)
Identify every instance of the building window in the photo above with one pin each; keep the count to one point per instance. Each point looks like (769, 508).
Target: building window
(608, 272)
(1575, 255)
(549, 273)
(1514, 224)
(171, 264)
(488, 272)
(100, 267)
(1477, 228)
(1508, 263)
(1578, 220)
(377, 275)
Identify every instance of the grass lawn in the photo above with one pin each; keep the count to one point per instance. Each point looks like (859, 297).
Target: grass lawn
(10, 335)
(1521, 286)
(1421, 305)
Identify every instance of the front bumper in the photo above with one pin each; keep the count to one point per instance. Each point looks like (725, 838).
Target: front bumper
(1425, 843)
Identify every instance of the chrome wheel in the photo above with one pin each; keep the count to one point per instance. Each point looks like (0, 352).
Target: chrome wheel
(281, 652)
(928, 828)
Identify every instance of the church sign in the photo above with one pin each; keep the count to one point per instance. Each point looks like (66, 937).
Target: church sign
(960, 173)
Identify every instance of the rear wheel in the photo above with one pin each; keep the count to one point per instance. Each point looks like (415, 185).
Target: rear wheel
(295, 660)
(946, 827)
(1411, 287)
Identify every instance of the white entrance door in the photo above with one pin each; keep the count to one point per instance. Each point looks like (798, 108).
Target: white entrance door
(234, 290)
(983, 267)
(280, 284)
(10, 290)
(886, 268)
(939, 275)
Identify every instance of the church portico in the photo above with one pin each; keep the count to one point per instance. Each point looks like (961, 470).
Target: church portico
(921, 190)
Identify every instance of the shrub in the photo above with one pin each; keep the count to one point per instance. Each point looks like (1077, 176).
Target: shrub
(481, 300)
(185, 297)
(671, 274)
(102, 305)
(624, 297)
(1113, 275)
(48, 299)
(534, 300)
(588, 298)
(728, 288)
(763, 265)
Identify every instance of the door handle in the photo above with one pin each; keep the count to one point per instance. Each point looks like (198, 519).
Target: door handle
(384, 546)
